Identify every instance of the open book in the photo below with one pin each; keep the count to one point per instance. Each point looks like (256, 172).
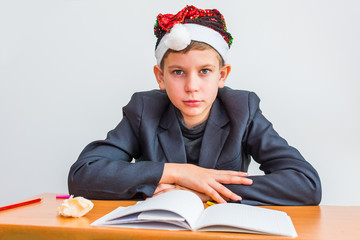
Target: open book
(184, 210)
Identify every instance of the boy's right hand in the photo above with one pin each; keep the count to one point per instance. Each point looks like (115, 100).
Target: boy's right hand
(166, 187)
(203, 180)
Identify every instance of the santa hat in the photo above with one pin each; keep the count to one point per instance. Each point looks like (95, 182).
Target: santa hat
(176, 31)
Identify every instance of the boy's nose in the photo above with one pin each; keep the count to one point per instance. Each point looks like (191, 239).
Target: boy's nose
(192, 84)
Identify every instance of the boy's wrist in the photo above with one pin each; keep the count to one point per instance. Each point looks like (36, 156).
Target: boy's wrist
(168, 175)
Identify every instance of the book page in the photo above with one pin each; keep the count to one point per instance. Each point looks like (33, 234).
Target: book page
(131, 221)
(244, 218)
(183, 204)
(163, 216)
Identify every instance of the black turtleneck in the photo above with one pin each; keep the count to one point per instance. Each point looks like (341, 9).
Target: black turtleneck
(192, 139)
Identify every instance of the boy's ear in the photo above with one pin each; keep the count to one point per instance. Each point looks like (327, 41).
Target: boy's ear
(159, 75)
(224, 73)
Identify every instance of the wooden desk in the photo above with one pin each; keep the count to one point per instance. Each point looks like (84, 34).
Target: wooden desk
(40, 221)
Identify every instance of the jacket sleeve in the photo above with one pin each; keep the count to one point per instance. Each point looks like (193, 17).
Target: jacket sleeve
(104, 169)
(288, 179)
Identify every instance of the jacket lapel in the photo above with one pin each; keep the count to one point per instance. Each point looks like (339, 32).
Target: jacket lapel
(215, 136)
(170, 138)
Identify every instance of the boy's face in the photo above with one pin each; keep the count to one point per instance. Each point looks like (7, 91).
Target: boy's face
(191, 81)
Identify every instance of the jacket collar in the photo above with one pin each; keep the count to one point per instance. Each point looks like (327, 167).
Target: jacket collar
(213, 141)
(170, 138)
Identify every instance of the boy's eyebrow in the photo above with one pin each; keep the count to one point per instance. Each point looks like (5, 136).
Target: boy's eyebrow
(208, 66)
(203, 66)
(174, 66)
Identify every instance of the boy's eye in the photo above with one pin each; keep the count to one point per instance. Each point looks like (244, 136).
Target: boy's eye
(178, 72)
(204, 71)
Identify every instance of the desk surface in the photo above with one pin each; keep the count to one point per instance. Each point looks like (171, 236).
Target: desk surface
(40, 221)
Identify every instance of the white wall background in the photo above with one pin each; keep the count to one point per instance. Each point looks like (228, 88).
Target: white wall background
(67, 68)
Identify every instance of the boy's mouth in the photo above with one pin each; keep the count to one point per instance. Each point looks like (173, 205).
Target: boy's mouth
(192, 103)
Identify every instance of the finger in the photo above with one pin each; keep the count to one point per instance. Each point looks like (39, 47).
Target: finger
(212, 193)
(228, 179)
(159, 188)
(164, 191)
(162, 187)
(225, 192)
(181, 187)
(228, 172)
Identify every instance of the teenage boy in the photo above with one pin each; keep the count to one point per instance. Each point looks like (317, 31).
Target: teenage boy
(194, 133)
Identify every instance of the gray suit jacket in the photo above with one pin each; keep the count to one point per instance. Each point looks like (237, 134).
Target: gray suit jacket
(236, 129)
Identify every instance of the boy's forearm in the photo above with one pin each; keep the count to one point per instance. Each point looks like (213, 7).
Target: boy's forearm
(272, 189)
(116, 180)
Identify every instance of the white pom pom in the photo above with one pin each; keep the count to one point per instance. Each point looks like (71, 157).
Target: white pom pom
(178, 39)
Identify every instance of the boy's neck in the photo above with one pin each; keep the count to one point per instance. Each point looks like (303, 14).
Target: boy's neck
(191, 122)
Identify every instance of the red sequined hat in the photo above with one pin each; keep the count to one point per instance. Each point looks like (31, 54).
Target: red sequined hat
(176, 31)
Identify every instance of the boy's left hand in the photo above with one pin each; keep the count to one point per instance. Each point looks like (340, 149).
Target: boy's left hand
(206, 181)
(165, 187)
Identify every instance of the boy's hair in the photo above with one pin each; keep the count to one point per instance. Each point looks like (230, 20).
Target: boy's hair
(194, 45)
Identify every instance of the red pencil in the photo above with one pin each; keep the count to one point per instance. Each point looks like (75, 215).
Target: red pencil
(20, 204)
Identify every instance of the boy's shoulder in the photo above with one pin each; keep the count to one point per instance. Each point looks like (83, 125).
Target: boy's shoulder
(233, 97)
(155, 93)
(148, 101)
(239, 104)
(151, 97)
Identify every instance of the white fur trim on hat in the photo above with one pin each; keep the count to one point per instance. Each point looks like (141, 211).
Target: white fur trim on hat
(181, 35)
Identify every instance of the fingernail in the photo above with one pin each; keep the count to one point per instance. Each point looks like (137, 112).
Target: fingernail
(236, 198)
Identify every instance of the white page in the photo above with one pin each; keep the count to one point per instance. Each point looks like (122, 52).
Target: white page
(150, 225)
(184, 203)
(244, 217)
(163, 216)
(160, 215)
(168, 222)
